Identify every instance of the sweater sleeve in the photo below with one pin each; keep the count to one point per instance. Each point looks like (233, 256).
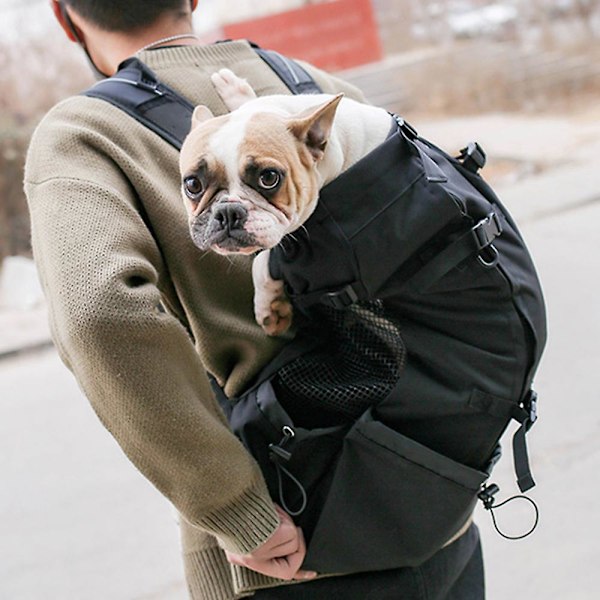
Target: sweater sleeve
(101, 271)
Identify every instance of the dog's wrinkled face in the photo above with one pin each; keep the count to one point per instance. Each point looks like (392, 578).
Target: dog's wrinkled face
(249, 178)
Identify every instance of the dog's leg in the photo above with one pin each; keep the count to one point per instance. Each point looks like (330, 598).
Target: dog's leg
(234, 90)
(273, 311)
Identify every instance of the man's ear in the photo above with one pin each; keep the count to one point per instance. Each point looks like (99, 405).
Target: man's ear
(60, 12)
(201, 113)
(313, 126)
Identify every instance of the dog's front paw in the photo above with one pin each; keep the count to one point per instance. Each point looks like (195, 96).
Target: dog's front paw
(277, 319)
(234, 90)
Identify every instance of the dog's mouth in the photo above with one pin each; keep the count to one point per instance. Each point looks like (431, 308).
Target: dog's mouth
(232, 227)
(223, 230)
(234, 243)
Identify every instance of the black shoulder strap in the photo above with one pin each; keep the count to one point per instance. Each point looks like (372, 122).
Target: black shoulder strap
(136, 90)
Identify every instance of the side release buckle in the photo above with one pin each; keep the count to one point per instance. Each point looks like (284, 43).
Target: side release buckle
(473, 157)
(487, 230)
(341, 299)
(530, 408)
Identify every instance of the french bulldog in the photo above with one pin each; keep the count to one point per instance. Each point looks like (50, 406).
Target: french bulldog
(252, 176)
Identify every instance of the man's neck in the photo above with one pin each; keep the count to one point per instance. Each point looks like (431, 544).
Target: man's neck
(110, 49)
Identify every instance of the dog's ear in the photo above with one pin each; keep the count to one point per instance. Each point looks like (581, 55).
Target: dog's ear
(313, 126)
(201, 113)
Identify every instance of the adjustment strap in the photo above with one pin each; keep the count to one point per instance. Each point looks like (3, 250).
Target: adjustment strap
(290, 72)
(472, 242)
(527, 416)
(339, 299)
(432, 171)
(136, 90)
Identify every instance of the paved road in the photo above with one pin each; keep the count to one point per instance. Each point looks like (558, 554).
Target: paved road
(77, 522)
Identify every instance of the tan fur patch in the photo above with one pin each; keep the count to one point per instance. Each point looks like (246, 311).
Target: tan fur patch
(196, 158)
(269, 143)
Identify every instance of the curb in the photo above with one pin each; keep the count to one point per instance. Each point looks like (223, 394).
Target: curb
(26, 349)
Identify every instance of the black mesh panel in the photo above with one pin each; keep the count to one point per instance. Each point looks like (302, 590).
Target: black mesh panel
(356, 366)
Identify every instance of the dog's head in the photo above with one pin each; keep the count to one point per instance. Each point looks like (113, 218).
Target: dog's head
(250, 177)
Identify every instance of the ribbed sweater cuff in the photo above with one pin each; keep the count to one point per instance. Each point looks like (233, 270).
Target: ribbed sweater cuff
(245, 524)
(246, 581)
(210, 577)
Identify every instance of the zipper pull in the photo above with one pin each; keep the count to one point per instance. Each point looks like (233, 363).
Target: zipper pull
(277, 450)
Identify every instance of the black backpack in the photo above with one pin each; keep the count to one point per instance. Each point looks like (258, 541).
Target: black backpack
(421, 325)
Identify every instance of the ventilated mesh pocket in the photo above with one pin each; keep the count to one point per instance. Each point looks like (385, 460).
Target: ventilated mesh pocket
(357, 365)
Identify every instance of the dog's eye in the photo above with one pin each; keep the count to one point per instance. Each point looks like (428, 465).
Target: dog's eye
(269, 179)
(193, 187)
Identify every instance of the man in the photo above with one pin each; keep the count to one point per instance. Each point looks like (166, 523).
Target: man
(139, 314)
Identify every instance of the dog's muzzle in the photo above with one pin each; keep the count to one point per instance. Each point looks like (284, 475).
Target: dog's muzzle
(223, 227)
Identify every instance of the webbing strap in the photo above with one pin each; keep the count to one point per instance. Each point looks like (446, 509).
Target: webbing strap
(526, 414)
(474, 241)
(525, 479)
(290, 72)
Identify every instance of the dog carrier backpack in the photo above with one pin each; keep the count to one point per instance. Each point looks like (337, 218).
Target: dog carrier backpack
(420, 324)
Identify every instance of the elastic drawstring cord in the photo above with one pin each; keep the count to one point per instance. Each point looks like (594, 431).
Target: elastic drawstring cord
(277, 453)
(284, 505)
(486, 495)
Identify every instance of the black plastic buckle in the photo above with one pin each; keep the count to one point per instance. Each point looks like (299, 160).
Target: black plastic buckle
(341, 299)
(487, 493)
(473, 157)
(150, 86)
(487, 230)
(530, 407)
(277, 451)
(408, 130)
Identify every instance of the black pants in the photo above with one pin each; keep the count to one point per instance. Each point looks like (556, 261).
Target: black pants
(454, 573)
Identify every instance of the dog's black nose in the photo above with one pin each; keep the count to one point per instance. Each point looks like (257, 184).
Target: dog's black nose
(230, 216)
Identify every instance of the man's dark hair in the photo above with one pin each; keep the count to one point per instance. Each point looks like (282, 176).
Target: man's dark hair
(126, 16)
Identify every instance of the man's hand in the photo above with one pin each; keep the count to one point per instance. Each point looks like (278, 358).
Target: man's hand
(281, 555)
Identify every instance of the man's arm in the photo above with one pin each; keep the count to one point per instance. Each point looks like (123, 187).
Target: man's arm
(101, 270)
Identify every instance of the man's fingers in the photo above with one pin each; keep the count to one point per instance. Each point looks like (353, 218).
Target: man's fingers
(286, 567)
(283, 542)
(304, 575)
(235, 559)
(282, 550)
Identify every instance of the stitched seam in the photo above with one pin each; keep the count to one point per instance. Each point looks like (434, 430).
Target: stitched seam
(421, 583)
(404, 458)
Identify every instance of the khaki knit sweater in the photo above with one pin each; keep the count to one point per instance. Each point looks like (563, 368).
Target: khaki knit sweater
(139, 314)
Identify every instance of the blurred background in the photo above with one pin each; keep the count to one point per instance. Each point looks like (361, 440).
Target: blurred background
(522, 77)
(451, 57)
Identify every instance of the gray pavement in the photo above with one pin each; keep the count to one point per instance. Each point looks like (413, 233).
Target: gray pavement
(77, 522)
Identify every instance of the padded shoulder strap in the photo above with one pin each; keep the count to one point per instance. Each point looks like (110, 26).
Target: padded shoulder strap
(136, 90)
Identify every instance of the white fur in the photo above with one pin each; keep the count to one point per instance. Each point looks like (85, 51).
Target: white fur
(357, 129)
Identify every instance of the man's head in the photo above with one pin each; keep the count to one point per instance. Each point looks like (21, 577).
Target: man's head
(110, 32)
(129, 16)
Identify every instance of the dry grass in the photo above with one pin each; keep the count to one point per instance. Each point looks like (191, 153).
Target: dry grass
(31, 83)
